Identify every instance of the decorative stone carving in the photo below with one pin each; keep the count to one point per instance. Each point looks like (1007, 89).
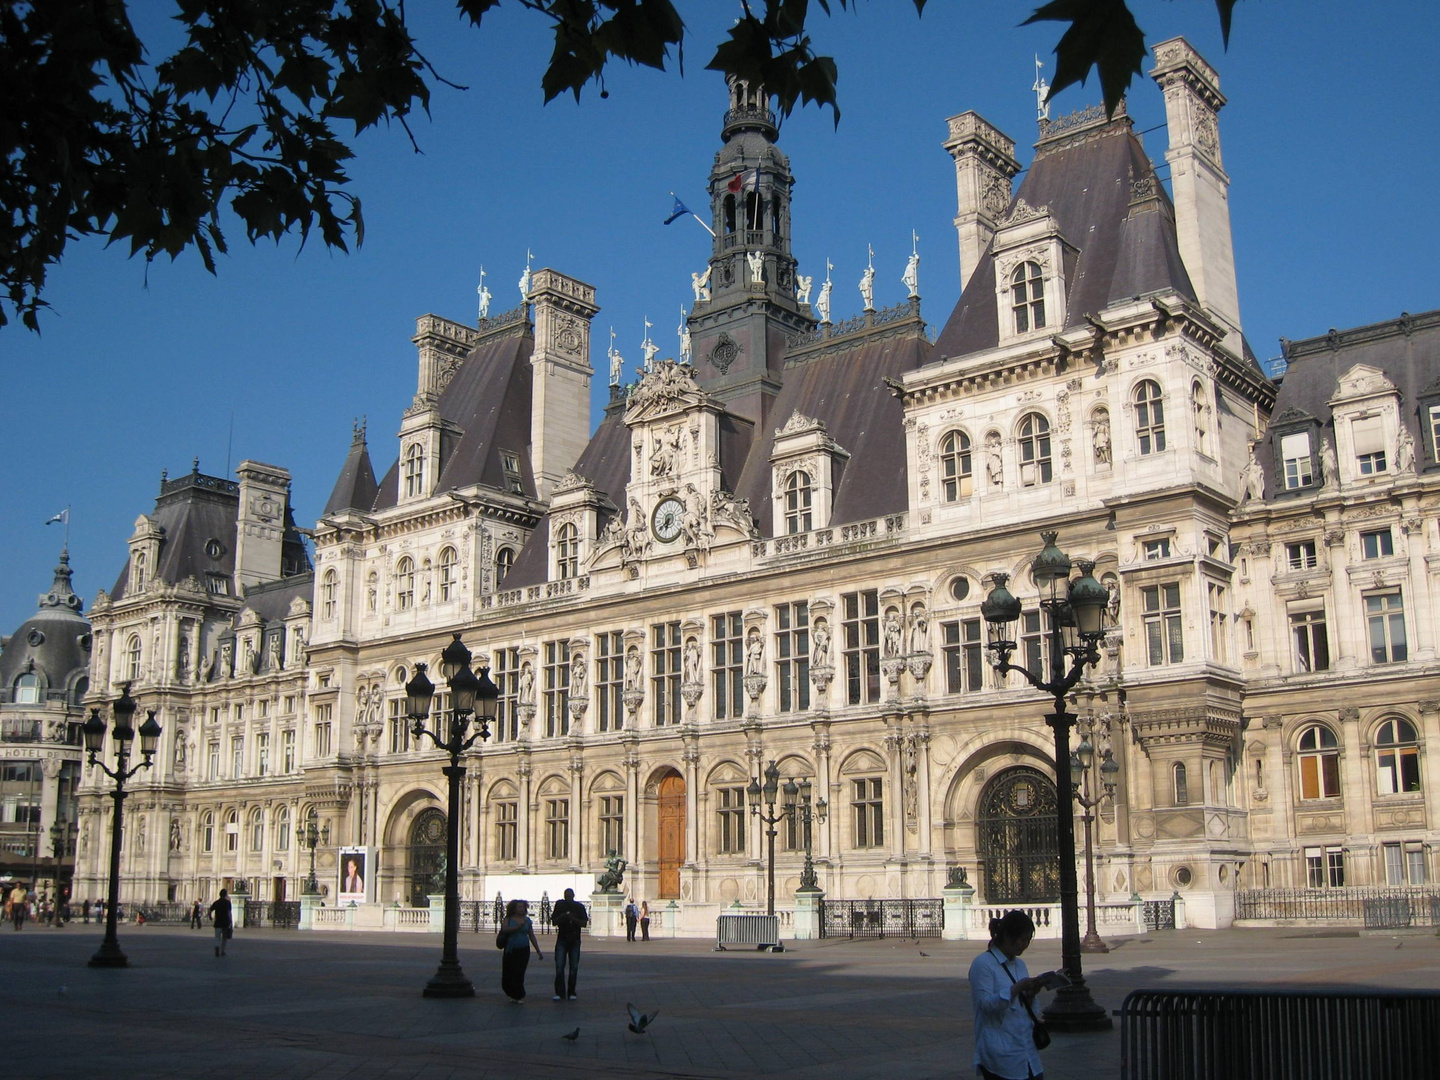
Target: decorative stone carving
(727, 509)
(725, 352)
(994, 463)
(1252, 479)
(701, 284)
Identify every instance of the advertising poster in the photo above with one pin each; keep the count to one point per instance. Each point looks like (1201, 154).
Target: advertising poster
(355, 872)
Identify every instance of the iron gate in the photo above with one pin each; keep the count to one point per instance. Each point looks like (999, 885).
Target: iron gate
(881, 918)
(427, 857)
(1017, 840)
(276, 914)
(1160, 914)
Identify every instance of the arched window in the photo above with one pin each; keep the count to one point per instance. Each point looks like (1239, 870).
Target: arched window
(1027, 297)
(405, 584)
(414, 471)
(504, 560)
(447, 574)
(257, 831)
(1182, 785)
(329, 590)
(1035, 467)
(955, 466)
(1397, 758)
(232, 831)
(207, 831)
(567, 552)
(1200, 411)
(799, 492)
(27, 689)
(1149, 417)
(1319, 763)
(282, 829)
(132, 658)
(775, 217)
(138, 577)
(729, 212)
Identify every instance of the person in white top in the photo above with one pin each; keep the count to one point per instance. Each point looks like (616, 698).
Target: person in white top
(1000, 988)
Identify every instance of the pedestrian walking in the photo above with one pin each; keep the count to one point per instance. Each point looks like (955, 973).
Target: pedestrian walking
(632, 916)
(1008, 1035)
(220, 915)
(197, 918)
(644, 920)
(516, 936)
(570, 918)
(19, 906)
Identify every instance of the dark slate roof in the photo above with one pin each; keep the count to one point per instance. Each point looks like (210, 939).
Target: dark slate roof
(355, 489)
(488, 398)
(272, 599)
(54, 643)
(843, 385)
(1084, 178)
(1406, 349)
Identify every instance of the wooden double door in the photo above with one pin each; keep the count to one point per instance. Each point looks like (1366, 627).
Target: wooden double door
(671, 838)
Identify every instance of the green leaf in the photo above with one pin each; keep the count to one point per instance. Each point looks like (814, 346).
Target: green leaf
(1226, 8)
(1104, 35)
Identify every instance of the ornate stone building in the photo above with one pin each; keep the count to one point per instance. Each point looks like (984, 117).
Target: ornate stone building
(779, 551)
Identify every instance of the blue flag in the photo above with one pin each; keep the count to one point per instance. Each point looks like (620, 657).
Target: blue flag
(680, 210)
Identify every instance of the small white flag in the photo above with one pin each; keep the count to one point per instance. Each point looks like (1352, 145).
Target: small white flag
(63, 517)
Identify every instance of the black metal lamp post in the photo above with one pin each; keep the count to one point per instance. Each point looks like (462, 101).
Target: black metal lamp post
(60, 835)
(1081, 762)
(807, 812)
(1073, 611)
(755, 795)
(109, 954)
(313, 835)
(469, 695)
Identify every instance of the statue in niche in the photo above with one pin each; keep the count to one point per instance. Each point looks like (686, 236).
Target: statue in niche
(226, 651)
(372, 592)
(820, 643)
(756, 262)
(754, 654)
(174, 834)
(632, 669)
(919, 629)
(1112, 599)
(1100, 439)
(701, 284)
(803, 285)
(526, 688)
(892, 633)
(1329, 464)
(692, 661)
(665, 451)
(578, 673)
(1404, 450)
(1252, 479)
(140, 837)
(994, 463)
(274, 660)
(180, 755)
(182, 659)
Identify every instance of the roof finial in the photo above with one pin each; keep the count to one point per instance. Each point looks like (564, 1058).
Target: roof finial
(1042, 92)
(357, 434)
(195, 465)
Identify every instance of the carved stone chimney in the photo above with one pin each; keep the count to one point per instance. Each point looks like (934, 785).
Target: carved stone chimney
(260, 530)
(560, 375)
(985, 165)
(1198, 183)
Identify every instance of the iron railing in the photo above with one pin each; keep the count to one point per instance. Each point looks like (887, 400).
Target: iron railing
(161, 913)
(1160, 914)
(479, 916)
(1351, 904)
(276, 914)
(881, 918)
(1279, 1035)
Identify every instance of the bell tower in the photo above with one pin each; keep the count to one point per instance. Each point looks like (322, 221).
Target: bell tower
(746, 306)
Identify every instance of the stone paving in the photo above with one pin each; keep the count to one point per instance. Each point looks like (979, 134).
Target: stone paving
(285, 1004)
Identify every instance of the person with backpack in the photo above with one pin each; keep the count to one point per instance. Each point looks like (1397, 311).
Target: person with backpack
(570, 918)
(222, 917)
(632, 916)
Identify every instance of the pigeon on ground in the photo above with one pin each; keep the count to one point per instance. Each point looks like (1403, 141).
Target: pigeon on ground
(638, 1020)
(572, 1036)
(924, 953)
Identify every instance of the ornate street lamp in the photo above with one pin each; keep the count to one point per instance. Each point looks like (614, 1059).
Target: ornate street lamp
(1073, 610)
(313, 835)
(1081, 764)
(807, 812)
(470, 694)
(756, 794)
(109, 954)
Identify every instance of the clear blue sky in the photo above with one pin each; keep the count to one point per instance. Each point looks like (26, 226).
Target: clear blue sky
(1328, 139)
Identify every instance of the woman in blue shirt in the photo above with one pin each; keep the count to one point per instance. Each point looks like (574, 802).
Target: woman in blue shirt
(519, 934)
(1000, 988)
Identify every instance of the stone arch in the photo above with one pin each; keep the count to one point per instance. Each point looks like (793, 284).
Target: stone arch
(393, 864)
(976, 761)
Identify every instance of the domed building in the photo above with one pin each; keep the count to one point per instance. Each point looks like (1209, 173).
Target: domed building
(44, 675)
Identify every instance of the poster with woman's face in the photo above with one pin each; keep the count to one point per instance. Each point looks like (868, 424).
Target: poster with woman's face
(353, 871)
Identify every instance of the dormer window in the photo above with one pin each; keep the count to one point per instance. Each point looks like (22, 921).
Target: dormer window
(1296, 458)
(27, 689)
(1155, 550)
(567, 552)
(1027, 297)
(799, 492)
(504, 560)
(1432, 431)
(956, 470)
(1149, 417)
(510, 466)
(138, 574)
(1368, 434)
(414, 471)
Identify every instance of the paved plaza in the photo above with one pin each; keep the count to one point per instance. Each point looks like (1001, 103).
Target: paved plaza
(290, 1004)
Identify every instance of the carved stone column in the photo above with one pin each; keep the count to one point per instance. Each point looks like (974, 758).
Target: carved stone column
(925, 798)
(691, 757)
(823, 786)
(579, 802)
(631, 742)
(1430, 782)
(523, 769)
(895, 797)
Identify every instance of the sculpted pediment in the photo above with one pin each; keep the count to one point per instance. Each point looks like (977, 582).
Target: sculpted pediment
(1362, 380)
(669, 387)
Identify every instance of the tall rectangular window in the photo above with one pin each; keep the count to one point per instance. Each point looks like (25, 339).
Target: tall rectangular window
(399, 726)
(964, 657)
(237, 756)
(1219, 626)
(262, 754)
(609, 681)
(730, 815)
(1311, 640)
(1032, 645)
(727, 664)
(1296, 457)
(287, 749)
(507, 821)
(212, 763)
(867, 807)
(1385, 624)
(1164, 634)
(612, 825)
(324, 716)
(1377, 545)
(1432, 418)
(665, 673)
(557, 688)
(1315, 867)
(1369, 436)
(557, 829)
(507, 706)
(792, 656)
(861, 625)
(1301, 555)
(1335, 867)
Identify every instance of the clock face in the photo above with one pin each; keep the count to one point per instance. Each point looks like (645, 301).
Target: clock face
(666, 520)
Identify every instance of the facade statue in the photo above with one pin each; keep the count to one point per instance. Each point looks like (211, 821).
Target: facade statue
(1252, 479)
(1100, 439)
(1329, 464)
(578, 674)
(820, 643)
(614, 876)
(1112, 600)
(994, 463)
(692, 661)
(1404, 450)
(140, 836)
(892, 633)
(617, 362)
(695, 523)
(525, 278)
(803, 285)
(526, 690)
(867, 288)
(637, 533)
(684, 331)
(754, 654)
(632, 669)
(485, 297)
(182, 659)
(736, 511)
(822, 305)
(919, 629)
(174, 834)
(180, 754)
(757, 267)
(911, 278)
(701, 284)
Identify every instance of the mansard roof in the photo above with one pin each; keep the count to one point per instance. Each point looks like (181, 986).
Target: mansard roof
(355, 488)
(1098, 184)
(488, 398)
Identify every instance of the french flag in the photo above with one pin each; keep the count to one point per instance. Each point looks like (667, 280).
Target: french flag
(742, 181)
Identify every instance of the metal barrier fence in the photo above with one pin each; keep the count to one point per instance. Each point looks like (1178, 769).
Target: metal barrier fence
(1279, 1035)
(749, 930)
(163, 913)
(479, 916)
(881, 918)
(276, 914)
(1342, 905)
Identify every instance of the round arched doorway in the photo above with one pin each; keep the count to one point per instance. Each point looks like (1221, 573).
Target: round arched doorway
(1015, 835)
(426, 852)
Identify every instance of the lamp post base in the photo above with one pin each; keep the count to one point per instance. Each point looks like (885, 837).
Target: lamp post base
(109, 956)
(449, 981)
(1074, 1010)
(1092, 942)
